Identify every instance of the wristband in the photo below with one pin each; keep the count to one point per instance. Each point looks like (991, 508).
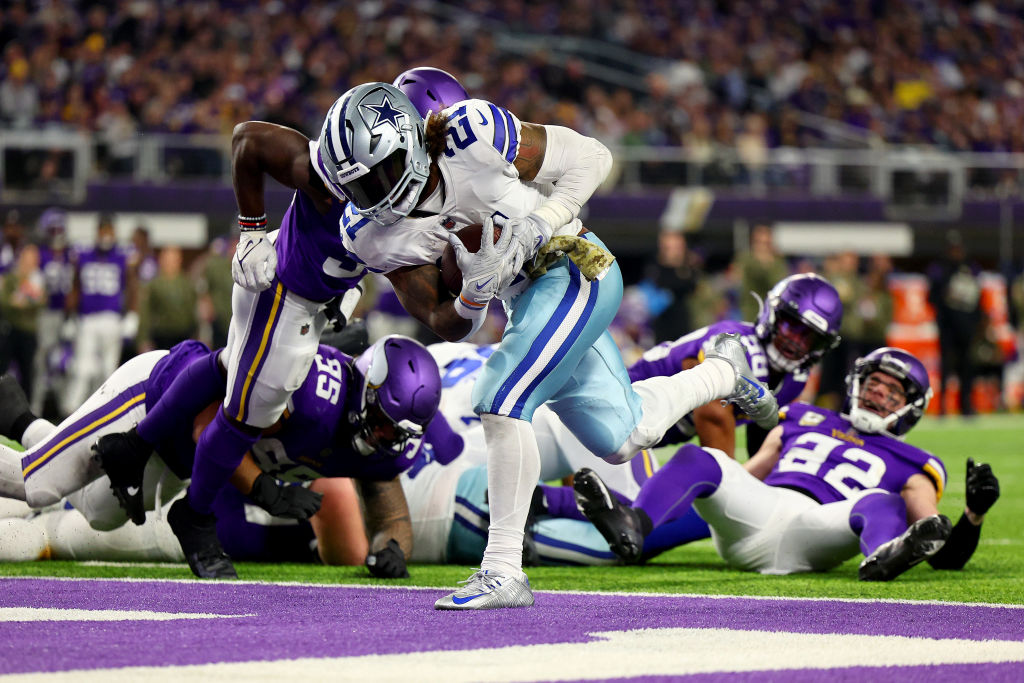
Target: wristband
(252, 223)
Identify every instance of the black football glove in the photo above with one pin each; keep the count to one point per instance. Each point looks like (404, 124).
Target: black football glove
(982, 487)
(388, 562)
(293, 502)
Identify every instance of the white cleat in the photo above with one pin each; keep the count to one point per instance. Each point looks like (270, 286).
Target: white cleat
(749, 394)
(489, 590)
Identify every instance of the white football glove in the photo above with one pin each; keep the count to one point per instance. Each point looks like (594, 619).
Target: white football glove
(486, 272)
(531, 232)
(255, 263)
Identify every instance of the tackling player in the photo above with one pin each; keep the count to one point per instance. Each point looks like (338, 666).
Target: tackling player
(832, 484)
(360, 417)
(409, 185)
(288, 287)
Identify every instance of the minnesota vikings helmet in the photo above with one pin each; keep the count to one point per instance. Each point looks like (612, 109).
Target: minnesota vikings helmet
(399, 391)
(799, 321)
(901, 365)
(430, 89)
(372, 152)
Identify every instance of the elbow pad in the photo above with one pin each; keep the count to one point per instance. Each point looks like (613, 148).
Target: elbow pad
(576, 165)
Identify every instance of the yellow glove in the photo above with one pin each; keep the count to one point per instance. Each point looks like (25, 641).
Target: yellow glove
(592, 259)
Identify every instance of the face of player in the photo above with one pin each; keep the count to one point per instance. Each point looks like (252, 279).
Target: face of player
(882, 394)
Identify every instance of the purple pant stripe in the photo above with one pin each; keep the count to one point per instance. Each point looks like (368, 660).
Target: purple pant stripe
(82, 428)
(254, 354)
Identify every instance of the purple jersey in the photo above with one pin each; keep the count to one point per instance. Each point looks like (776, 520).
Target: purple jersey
(311, 260)
(315, 439)
(667, 359)
(58, 272)
(102, 278)
(824, 456)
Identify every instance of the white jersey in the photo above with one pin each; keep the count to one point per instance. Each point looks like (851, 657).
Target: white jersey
(479, 181)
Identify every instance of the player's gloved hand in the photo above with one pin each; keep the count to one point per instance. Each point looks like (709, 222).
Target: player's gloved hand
(293, 502)
(531, 232)
(255, 263)
(982, 487)
(388, 562)
(484, 273)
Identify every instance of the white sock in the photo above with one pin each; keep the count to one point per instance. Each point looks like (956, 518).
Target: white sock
(513, 470)
(667, 399)
(37, 432)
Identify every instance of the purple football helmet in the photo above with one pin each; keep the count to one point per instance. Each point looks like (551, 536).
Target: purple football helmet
(799, 321)
(901, 365)
(399, 391)
(430, 89)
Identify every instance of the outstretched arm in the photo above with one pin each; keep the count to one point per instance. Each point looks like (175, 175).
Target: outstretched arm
(761, 463)
(387, 515)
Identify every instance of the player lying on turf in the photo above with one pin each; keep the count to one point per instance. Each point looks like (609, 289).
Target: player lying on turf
(832, 484)
(797, 324)
(361, 417)
(445, 485)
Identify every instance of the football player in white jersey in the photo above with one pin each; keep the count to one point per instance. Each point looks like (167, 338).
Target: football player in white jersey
(410, 184)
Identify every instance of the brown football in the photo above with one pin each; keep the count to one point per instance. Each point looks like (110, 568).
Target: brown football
(470, 238)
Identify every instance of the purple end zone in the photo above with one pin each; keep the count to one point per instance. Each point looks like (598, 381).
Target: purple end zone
(318, 621)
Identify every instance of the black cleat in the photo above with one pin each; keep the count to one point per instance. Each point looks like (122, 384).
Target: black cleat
(197, 534)
(13, 404)
(123, 457)
(924, 538)
(620, 525)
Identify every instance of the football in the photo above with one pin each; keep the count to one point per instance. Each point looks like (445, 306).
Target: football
(470, 238)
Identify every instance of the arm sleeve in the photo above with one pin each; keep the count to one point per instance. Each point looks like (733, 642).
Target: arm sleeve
(576, 165)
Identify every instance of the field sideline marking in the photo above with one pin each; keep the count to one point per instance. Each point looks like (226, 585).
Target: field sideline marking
(207, 582)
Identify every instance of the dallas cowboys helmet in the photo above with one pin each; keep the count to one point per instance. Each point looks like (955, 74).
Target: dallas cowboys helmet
(903, 366)
(399, 392)
(799, 321)
(430, 89)
(372, 152)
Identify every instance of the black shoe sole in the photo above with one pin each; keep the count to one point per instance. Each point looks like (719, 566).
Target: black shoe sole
(608, 516)
(914, 548)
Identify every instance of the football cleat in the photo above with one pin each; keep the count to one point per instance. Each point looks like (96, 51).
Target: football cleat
(13, 404)
(123, 457)
(489, 590)
(749, 394)
(620, 524)
(197, 534)
(921, 540)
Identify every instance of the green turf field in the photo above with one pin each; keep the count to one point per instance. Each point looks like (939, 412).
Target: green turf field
(995, 574)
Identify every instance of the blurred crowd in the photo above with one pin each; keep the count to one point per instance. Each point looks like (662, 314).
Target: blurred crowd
(705, 75)
(70, 314)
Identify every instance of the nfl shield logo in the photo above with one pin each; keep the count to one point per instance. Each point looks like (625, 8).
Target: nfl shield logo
(448, 223)
(304, 329)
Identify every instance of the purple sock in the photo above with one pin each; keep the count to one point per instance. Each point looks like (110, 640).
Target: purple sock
(877, 518)
(197, 386)
(691, 473)
(561, 502)
(218, 454)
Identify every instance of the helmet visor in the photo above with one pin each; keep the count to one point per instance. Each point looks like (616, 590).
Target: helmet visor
(371, 189)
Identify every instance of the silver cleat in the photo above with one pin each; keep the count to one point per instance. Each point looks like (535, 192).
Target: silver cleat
(489, 590)
(749, 394)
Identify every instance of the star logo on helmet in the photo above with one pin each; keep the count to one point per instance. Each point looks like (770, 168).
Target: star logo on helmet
(384, 113)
